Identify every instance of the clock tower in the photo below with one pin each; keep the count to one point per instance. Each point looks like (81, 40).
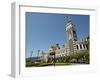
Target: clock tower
(72, 36)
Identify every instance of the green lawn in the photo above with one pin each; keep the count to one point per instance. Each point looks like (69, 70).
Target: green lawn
(47, 64)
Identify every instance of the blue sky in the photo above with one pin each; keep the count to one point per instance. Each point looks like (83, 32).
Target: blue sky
(46, 29)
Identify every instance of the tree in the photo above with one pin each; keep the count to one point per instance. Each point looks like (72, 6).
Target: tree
(81, 57)
(67, 58)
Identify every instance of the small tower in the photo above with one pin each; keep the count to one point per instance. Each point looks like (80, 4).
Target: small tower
(72, 36)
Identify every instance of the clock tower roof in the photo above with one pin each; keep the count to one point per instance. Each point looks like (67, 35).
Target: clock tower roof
(69, 23)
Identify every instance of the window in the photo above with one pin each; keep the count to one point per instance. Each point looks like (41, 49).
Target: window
(77, 47)
(80, 46)
(84, 45)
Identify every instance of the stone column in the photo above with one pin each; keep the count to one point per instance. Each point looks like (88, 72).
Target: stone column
(82, 47)
(79, 46)
(85, 47)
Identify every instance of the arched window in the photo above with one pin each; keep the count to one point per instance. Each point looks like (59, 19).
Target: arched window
(77, 47)
(87, 46)
(80, 46)
(84, 46)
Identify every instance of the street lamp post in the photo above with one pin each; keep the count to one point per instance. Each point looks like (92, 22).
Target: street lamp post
(66, 54)
(38, 54)
(53, 54)
(54, 58)
(31, 55)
